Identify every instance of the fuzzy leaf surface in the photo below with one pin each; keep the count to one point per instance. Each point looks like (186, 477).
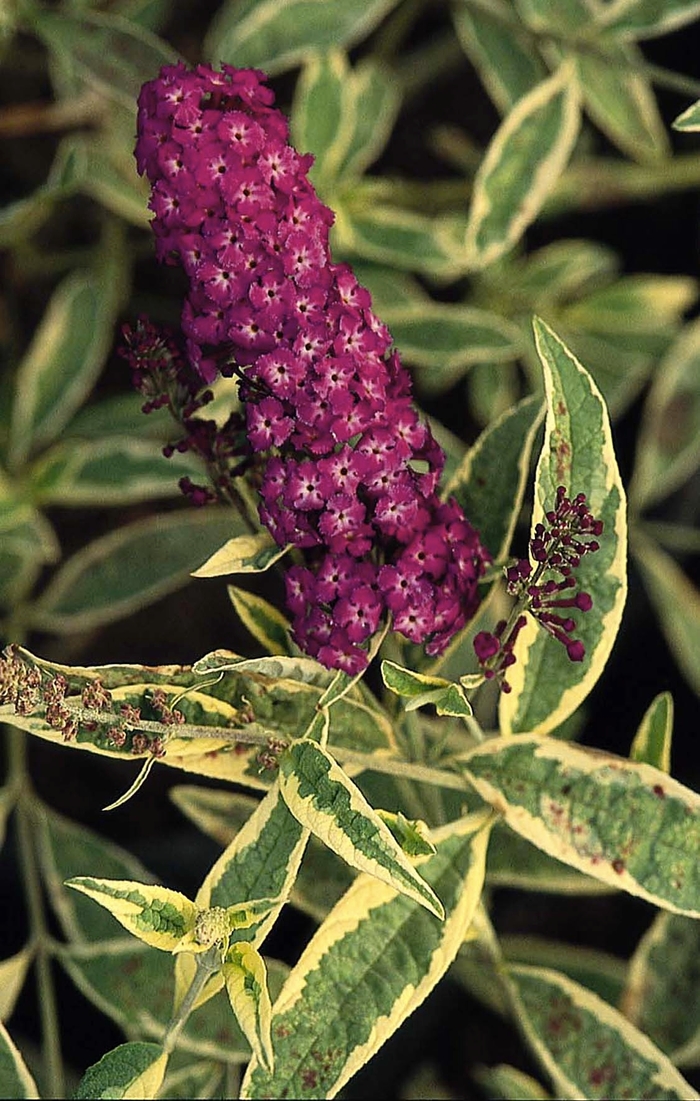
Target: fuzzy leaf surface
(130, 1070)
(662, 996)
(370, 965)
(623, 822)
(588, 1048)
(325, 800)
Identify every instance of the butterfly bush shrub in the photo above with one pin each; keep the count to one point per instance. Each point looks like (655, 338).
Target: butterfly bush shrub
(436, 611)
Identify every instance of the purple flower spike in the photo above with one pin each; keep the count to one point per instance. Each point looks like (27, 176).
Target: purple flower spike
(556, 547)
(329, 416)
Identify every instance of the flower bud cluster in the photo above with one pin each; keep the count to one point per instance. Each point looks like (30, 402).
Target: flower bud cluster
(351, 471)
(166, 378)
(556, 547)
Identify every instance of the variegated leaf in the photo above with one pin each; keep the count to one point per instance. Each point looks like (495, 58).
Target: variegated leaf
(156, 915)
(490, 483)
(242, 554)
(245, 976)
(504, 58)
(275, 35)
(263, 620)
(521, 167)
(625, 823)
(648, 18)
(589, 1049)
(578, 454)
(133, 1070)
(662, 996)
(419, 689)
(325, 800)
(15, 1079)
(652, 742)
(349, 991)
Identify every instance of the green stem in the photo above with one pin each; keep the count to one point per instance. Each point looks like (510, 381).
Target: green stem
(405, 769)
(207, 964)
(51, 1041)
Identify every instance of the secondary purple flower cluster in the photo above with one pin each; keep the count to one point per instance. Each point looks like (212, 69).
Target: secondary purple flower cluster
(165, 378)
(351, 471)
(555, 547)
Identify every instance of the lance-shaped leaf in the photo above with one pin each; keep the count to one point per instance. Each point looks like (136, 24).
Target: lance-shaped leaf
(15, 1079)
(419, 689)
(325, 800)
(354, 984)
(652, 742)
(688, 120)
(490, 483)
(444, 339)
(157, 915)
(13, 972)
(115, 470)
(620, 100)
(398, 238)
(626, 823)
(589, 1049)
(320, 121)
(261, 862)
(578, 454)
(598, 971)
(243, 554)
(245, 976)
(668, 444)
(63, 360)
(502, 55)
(513, 862)
(130, 1070)
(677, 603)
(561, 271)
(112, 53)
(374, 104)
(129, 568)
(647, 18)
(322, 878)
(275, 35)
(521, 167)
(662, 996)
(263, 620)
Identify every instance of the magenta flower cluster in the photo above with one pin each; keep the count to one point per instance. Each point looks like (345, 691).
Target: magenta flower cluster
(555, 547)
(351, 471)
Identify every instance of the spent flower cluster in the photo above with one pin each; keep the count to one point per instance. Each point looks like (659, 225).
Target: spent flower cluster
(350, 471)
(556, 547)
